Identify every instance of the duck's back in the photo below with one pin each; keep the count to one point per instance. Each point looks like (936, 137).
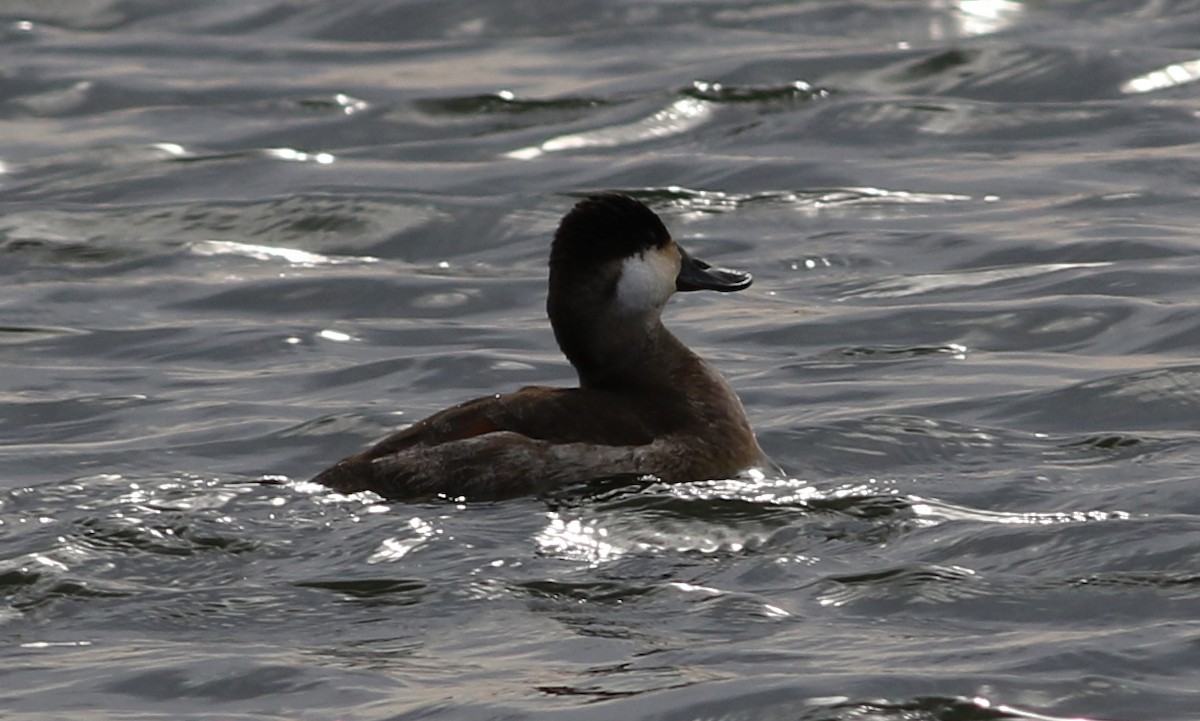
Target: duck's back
(504, 445)
(540, 438)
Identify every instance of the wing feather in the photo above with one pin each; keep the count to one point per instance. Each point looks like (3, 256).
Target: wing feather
(538, 432)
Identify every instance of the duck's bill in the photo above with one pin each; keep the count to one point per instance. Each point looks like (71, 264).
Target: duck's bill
(695, 274)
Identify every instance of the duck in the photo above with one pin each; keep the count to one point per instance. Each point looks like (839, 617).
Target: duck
(646, 404)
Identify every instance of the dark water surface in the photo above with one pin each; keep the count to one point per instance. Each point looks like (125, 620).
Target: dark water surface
(244, 238)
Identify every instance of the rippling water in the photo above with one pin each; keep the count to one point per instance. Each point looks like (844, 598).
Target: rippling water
(241, 240)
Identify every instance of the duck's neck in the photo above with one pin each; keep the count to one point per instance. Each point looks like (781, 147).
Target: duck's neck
(615, 356)
(676, 384)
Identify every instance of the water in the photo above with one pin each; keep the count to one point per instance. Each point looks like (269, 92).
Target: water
(244, 239)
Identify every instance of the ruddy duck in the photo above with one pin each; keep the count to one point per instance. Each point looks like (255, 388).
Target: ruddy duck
(645, 405)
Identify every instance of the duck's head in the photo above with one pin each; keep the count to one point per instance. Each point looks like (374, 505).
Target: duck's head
(613, 266)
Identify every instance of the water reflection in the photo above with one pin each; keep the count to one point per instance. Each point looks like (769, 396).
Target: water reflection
(578, 540)
(679, 117)
(974, 17)
(933, 512)
(256, 251)
(934, 282)
(1163, 78)
(394, 549)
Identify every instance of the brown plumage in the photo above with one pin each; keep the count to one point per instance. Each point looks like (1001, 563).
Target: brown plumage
(646, 403)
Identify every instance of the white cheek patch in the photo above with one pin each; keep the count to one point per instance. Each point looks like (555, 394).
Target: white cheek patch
(647, 281)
